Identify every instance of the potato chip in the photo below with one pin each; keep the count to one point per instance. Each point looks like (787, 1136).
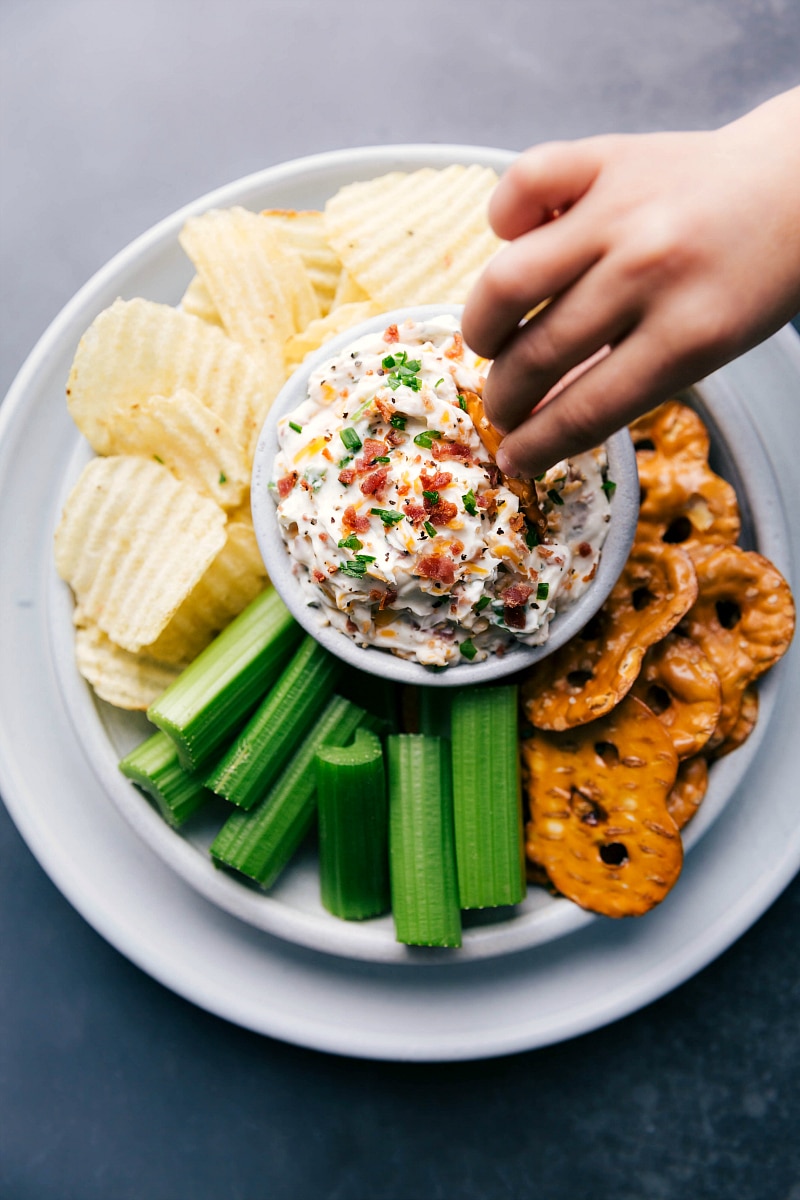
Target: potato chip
(136, 349)
(196, 445)
(421, 238)
(321, 331)
(348, 292)
(233, 579)
(691, 784)
(259, 288)
(126, 680)
(197, 302)
(132, 543)
(599, 823)
(304, 232)
(591, 673)
(678, 683)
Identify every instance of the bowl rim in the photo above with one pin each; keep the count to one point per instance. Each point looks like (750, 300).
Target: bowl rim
(375, 660)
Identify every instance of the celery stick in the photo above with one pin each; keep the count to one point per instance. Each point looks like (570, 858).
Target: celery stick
(421, 842)
(260, 843)
(434, 706)
(154, 766)
(258, 755)
(381, 695)
(353, 828)
(226, 681)
(487, 802)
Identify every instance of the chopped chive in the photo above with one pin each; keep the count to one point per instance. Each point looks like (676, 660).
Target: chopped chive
(380, 458)
(426, 438)
(344, 461)
(467, 648)
(609, 487)
(555, 496)
(542, 591)
(481, 604)
(365, 558)
(432, 496)
(158, 459)
(531, 536)
(350, 543)
(355, 568)
(387, 515)
(539, 478)
(388, 363)
(470, 503)
(223, 478)
(350, 438)
(297, 428)
(429, 529)
(398, 421)
(462, 402)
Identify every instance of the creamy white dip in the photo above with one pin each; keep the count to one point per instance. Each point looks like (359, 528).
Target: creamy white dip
(401, 531)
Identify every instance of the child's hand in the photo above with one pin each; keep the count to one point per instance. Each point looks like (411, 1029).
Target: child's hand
(677, 250)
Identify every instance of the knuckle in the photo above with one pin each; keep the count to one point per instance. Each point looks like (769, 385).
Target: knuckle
(540, 347)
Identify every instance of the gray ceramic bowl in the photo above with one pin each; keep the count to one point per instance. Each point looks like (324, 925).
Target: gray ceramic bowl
(624, 509)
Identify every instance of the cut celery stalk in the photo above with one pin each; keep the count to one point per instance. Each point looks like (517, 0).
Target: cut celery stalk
(353, 828)
(487, 802)
(155, 767)
(422, 860)
(260, 843)
(223, 685)
(257, 756)
(382, 695)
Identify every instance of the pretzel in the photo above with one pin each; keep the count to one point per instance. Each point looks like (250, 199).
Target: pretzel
(523, 489)
(673, 430)
(591, 673)
(743, 727)
(689, 789)
(678, 683)
(599, 823)
(743, 620)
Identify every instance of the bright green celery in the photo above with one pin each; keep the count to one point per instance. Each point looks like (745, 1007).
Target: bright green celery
(155, 767)
(487, 802)
(422, 861)
(353, 828)
(257, 756)
(219, 690)
(260, 843)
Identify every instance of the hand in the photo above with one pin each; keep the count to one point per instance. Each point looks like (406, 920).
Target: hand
(665, 255)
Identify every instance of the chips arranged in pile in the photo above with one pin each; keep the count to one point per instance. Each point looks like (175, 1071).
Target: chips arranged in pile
(625, 718)
(156, 539)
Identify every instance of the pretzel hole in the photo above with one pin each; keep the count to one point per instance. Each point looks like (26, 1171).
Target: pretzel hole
(614, 854)
(608, 752)
(657, 699)
(679, 530)
(728, 613)
(641, 597)
(586, 809)
(644, 444)
(579, 679)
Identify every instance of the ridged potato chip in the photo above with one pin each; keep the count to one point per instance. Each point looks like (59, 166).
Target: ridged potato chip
(193, 442)
(126, 680)
(421, 238)
(304, 232)
(233, 579)
(136, 349)
(197, 302)
(348, 291)
(319, 332)
(132, 543)
(259, 288)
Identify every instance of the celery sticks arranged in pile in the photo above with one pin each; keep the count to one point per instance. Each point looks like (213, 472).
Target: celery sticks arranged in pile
(427, 823)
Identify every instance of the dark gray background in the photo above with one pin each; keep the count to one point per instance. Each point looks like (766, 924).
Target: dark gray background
(113, 114)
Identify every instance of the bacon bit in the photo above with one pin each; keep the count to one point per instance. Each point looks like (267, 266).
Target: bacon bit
(388, 597)
(372, 449)
(391, 334)
(404, 489)
(517, 523)
(494, 473)
(374, 484)
(386, 409)
(351, 626)
(457, 348)
(323, 537)
(305, 484)
(432, 483)
(375, 594)
(327, 454)
(457, 450)
(514, 617)
(352, 522)
(347, 475)
(517, 595)
(286, 484)
(456, 548)
(545, 552)
(441, 513)
(588, 578)
(436, 566)
(584, 549)
(488, 500)
(395, 438)
(416, 511)
(318, 576)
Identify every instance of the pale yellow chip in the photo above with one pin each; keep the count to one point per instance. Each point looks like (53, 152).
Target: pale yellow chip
(421, 238)
(123, 679)
(136, 349)
(348, 292)
(321, 331)
(188, 438)
(304, 232)
(233, 579)
(259, 288)
(132, 543)
(198, 303)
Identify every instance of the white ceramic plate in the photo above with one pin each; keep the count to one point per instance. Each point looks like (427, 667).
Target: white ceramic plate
(55, 784)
